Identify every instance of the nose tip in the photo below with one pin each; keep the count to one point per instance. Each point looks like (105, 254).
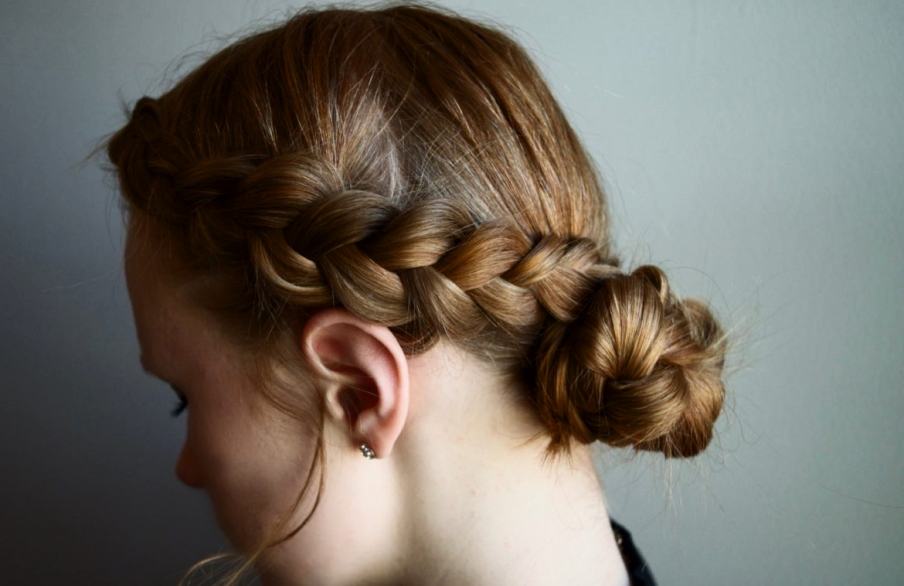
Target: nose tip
(187, 469)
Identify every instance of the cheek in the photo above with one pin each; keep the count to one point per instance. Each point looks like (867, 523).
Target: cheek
(254, 469)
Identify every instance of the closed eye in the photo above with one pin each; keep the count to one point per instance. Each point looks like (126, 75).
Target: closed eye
(181, 403)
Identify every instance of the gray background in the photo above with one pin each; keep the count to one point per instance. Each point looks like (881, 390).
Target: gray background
(753, 149)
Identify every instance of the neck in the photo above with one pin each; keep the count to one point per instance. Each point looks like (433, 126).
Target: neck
(483, 502)
(503, 523)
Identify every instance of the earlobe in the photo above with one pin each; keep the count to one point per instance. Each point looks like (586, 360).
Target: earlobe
(365, 376)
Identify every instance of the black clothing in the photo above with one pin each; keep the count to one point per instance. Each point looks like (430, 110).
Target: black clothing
(638, 570)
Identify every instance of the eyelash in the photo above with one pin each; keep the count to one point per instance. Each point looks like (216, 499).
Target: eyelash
(181, 403)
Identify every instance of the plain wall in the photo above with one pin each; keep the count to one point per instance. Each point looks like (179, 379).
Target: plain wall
(752, 149)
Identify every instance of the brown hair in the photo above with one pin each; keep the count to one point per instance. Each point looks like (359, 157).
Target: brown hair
(414, 168)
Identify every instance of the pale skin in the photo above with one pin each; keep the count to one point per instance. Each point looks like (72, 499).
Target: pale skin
(460, 492)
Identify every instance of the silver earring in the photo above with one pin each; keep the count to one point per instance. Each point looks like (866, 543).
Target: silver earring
(367, 452)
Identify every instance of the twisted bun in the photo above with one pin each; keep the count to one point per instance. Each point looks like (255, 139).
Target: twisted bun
(638, 368)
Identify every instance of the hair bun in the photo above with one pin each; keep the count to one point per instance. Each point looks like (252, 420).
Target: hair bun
(637, 368)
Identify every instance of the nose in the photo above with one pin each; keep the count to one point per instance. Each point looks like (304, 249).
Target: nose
(187, 468)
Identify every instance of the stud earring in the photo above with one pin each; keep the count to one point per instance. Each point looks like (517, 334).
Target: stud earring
(367, 452)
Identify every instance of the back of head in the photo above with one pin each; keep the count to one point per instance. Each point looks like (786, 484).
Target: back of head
(413, 168)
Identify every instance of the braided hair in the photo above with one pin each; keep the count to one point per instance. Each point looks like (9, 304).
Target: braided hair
(413, 168)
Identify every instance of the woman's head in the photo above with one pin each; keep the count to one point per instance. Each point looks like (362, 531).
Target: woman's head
(413, 168)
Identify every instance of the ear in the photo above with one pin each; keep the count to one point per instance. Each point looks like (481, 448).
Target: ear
(365, 373)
